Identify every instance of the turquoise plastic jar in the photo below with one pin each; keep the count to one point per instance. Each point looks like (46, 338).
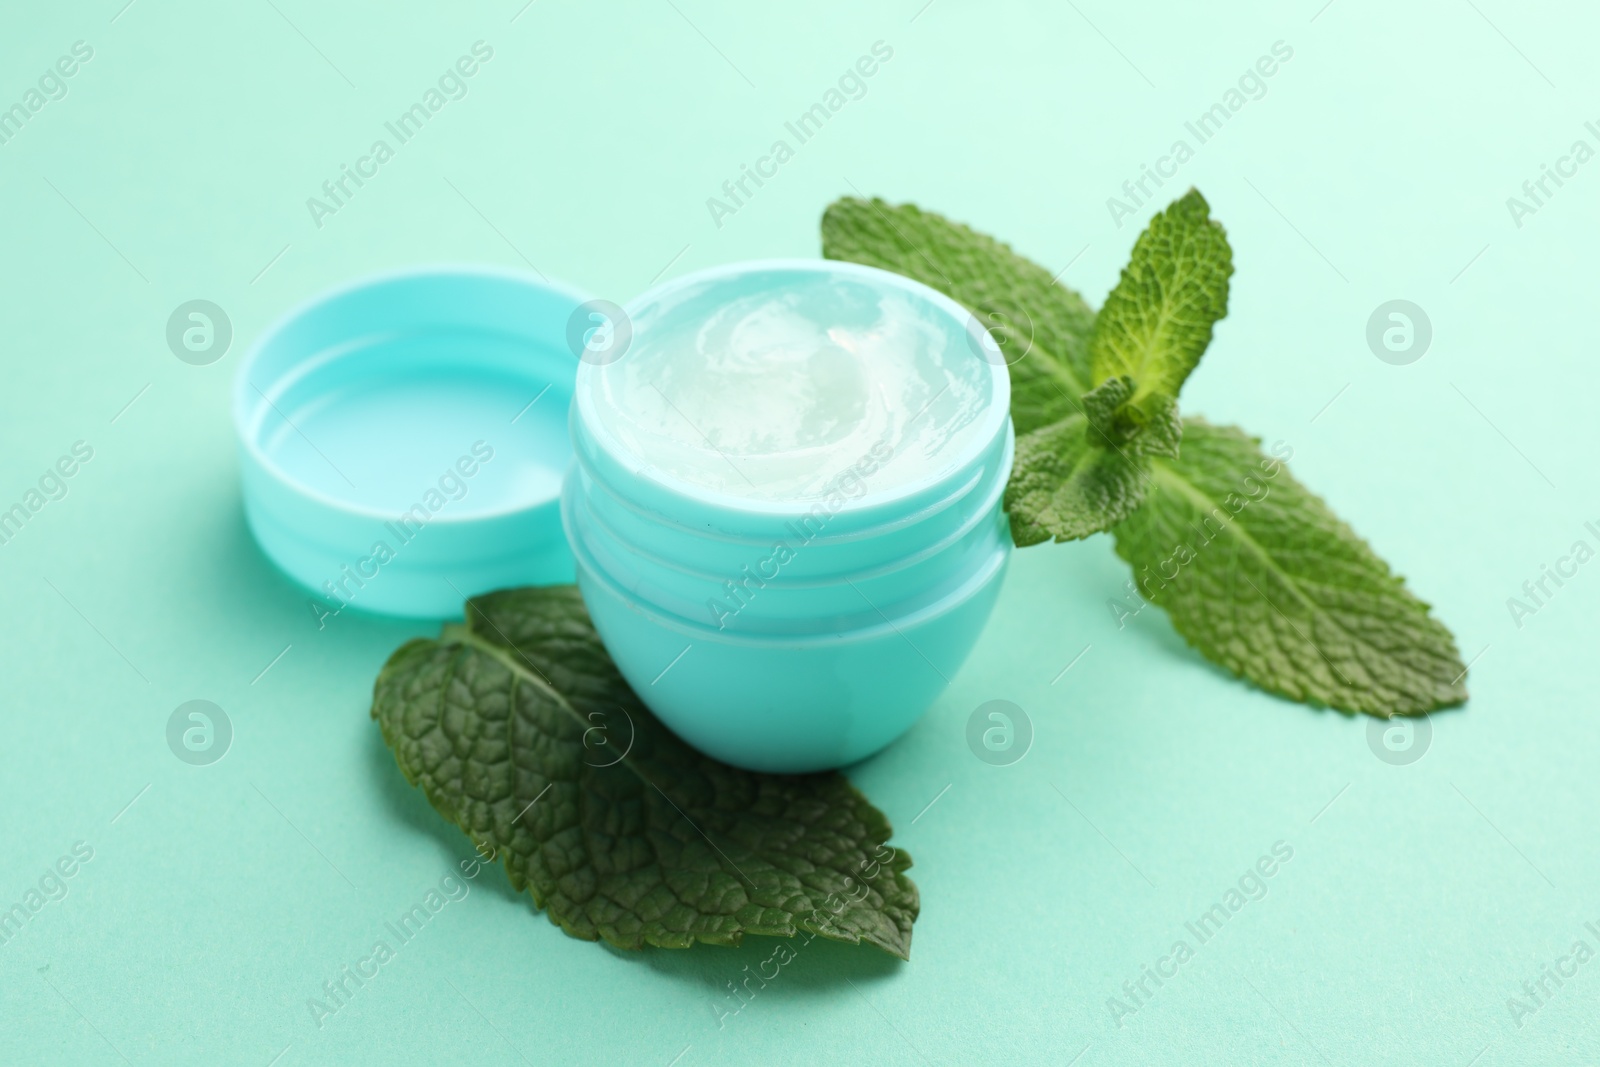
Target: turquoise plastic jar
(838, 625)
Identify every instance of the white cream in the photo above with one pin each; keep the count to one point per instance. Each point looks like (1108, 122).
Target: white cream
(773, 385)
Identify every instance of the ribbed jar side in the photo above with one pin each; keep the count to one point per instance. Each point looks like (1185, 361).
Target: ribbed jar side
(843, 535)
(679, 566)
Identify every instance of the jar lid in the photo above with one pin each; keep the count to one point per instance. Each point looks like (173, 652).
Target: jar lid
(403, 440)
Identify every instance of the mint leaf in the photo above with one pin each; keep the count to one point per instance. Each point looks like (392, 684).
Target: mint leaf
(1065, 487)
(1117, 424)
(1260, 576)
(519, 730)
(1157, 322)
(1087, 472)
(1042, 328)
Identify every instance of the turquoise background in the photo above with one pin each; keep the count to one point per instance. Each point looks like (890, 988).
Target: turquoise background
(1377, 166)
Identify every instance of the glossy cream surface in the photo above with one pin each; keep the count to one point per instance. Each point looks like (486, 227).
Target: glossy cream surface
(784, 384)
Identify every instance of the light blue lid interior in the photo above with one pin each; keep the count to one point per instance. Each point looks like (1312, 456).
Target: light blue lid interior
(375, 426)
(420, 417)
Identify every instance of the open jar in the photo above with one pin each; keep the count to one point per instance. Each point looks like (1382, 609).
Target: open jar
(786, 504)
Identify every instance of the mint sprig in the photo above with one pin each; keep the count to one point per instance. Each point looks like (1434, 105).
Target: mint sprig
(1255, 570)
(1157, 322)
(1089, 470)
(520, 730)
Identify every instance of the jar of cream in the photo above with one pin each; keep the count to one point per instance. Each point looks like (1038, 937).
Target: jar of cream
(786, 505)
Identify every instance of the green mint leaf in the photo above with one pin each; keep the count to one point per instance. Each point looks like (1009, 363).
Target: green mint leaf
(520, 730)
(1260, 576)
(1087, 472)
(1042, 328)
(1064, 486)
(1157, 322)
(1118, 424)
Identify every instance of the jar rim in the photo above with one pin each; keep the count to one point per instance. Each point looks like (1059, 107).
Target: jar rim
(992, 420)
